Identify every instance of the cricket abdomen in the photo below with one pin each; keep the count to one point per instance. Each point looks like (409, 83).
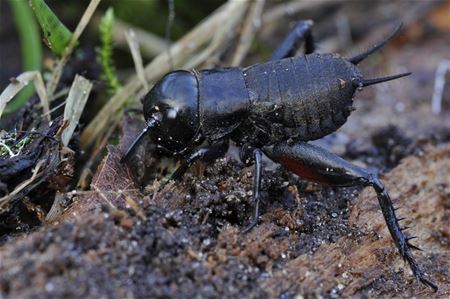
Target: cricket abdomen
(311, 94)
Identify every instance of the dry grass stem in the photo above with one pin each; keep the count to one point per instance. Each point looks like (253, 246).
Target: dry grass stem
(181, 52)
(221, 35)
(54, 80)
(150, 44)
(252, 23)
(103, 196)
(280, 11)
(439, 85)
(8, 198)
(75, 103)
(18, 83)
(8, 149)
(137, 58)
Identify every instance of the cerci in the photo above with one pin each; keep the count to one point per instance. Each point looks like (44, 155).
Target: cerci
(272, 108)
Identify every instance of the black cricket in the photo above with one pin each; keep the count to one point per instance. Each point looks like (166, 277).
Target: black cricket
(272, 108)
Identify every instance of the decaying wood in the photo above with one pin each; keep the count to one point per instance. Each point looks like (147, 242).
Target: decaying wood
(22, 173)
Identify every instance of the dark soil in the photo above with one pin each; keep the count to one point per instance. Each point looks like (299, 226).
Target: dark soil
(183, 241)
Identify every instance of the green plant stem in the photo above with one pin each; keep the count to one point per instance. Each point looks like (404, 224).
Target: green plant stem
(105, 52)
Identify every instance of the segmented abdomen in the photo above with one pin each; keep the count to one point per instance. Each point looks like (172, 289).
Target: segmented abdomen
(311, 93)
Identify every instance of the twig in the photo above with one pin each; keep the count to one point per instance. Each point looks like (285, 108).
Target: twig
(181, 52)
(54, 80)
(252, 24)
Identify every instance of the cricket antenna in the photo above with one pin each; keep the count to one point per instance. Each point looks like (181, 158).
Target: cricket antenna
(360, 57)
(151, 122)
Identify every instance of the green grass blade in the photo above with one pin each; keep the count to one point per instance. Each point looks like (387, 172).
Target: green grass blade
(56, 35)
(31, 46)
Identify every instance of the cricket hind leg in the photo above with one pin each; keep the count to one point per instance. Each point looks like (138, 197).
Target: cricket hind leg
(301, 32)
(317, 164)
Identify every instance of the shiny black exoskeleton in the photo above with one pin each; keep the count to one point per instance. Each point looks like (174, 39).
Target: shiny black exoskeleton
(272, 108)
